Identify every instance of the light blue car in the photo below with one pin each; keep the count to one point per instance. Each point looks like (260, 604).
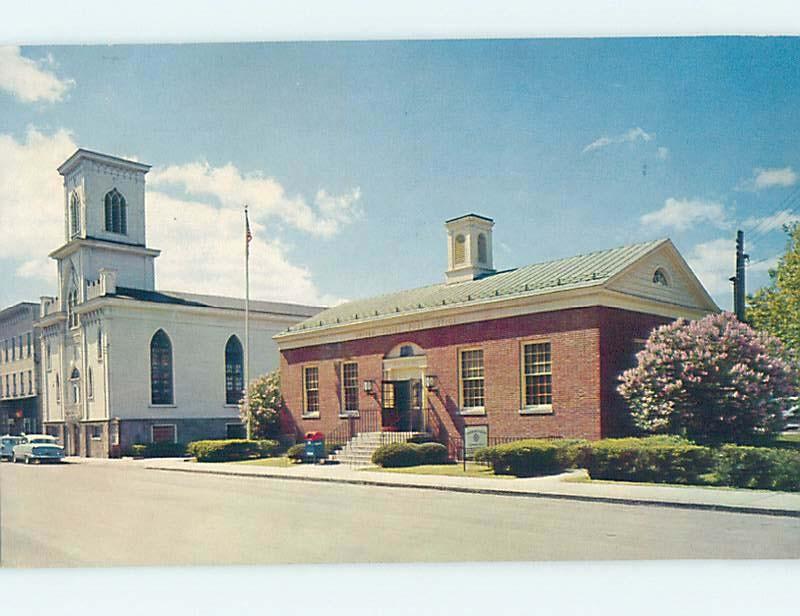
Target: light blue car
(7, 443)
(37, 448)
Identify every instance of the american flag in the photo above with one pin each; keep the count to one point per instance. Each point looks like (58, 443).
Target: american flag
(248, 236)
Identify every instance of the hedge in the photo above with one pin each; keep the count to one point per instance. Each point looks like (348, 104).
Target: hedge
(297, 452)
(531, 457)
(157, 450)
(395, 455)
(758, 467)
(231, 449)
(654, 459)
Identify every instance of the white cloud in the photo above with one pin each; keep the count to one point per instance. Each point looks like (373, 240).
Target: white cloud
(662, 153)
(195, 235)
(32, 206)
(231, 189)
(768, 178)
(773, 222)
(29, 80)
(714, 263)
(630, 136)
(681, 214)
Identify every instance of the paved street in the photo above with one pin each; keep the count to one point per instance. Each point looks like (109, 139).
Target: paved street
(81, 514)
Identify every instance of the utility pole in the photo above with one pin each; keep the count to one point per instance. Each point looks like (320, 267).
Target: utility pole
(738, 280)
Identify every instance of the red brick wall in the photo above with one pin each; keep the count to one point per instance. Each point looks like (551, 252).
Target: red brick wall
(588, 346)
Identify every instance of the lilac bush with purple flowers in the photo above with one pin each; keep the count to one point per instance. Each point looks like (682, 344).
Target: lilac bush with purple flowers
(712, 380)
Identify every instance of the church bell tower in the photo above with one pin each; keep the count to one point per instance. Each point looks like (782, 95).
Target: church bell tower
(104, 225)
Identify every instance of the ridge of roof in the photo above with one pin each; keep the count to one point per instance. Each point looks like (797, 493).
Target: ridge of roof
(582, 270)
(214, 301)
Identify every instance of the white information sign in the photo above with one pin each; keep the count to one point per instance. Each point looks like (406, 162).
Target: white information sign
(475, 437)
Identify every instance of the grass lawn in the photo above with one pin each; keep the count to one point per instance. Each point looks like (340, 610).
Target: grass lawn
(281, 461)
(446, 470)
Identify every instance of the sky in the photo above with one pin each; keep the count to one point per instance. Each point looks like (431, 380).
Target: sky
(351, 155)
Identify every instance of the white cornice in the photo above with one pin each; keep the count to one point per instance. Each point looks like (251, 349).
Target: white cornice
(73, 246)
(278, 320)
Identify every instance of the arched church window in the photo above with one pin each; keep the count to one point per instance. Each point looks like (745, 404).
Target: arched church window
(58, 389)
(116, 212)
(72, 301)
(481, 248)
(161, 369)
(234, 371)
(99, 343)
(75, 386)
(459, 249)
(89, 384)
(74, 215)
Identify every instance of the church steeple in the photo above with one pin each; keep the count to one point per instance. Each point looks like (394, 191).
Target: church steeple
(104, 224)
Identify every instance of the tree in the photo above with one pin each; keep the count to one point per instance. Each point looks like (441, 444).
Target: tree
(776, 308)
(712, 380)
(266, 406)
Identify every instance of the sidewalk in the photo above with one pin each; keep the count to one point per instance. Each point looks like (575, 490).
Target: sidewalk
(557, 486)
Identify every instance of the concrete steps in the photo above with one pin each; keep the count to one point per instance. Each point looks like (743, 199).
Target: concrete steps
(359, 449)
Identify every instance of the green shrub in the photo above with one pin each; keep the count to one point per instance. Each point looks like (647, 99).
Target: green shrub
(531, 457)
(137, 450)
(419, 439)
(432, 453)
(296, 452)
(657, 459)
(394, 455)
(225, 450)
(157, 450)
(268, 448)
(758, 467)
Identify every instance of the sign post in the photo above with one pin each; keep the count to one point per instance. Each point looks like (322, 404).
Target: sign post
(475, 437)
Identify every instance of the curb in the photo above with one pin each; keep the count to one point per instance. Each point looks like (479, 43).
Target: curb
(500, 492)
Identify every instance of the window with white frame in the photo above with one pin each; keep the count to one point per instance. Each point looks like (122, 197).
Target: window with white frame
(311, 390)
(350, 387)
(99, 343)
(471, 373)
(116, 212)
(161, 391)
(537, 372)
(90, 384)
(74, 215)
(58, 390)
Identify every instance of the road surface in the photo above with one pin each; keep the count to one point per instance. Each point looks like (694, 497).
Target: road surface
(120, 514)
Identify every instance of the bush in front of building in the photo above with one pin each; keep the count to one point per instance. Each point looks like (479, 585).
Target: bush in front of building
(658, 459)
(296, 453)
(157, 450)
(230, 450)
(397, 455)
(714, 380)
(531, 457)
(431, 453)
(419, 439)
(758, 467)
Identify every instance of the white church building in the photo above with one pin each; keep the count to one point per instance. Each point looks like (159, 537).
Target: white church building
(124, 363)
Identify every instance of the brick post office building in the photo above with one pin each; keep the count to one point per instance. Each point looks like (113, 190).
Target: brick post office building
(530, 352)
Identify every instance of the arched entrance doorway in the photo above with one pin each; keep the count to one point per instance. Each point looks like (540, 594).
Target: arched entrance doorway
(403, 392)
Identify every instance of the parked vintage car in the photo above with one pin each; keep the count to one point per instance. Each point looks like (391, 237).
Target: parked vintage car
(37, 448)
(7, 443)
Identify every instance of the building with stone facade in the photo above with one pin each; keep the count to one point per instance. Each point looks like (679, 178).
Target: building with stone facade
(19, 369)
(529, 352)
(123, 362)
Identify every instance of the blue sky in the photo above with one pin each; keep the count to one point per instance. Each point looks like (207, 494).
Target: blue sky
(352, 155)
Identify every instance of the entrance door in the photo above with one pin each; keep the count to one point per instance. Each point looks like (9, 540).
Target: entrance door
(76, 438)
(396, 406)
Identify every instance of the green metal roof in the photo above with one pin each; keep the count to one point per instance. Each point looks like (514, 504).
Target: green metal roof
(540, 278)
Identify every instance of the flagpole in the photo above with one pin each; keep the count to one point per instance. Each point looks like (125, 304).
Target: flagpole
(247, 325)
